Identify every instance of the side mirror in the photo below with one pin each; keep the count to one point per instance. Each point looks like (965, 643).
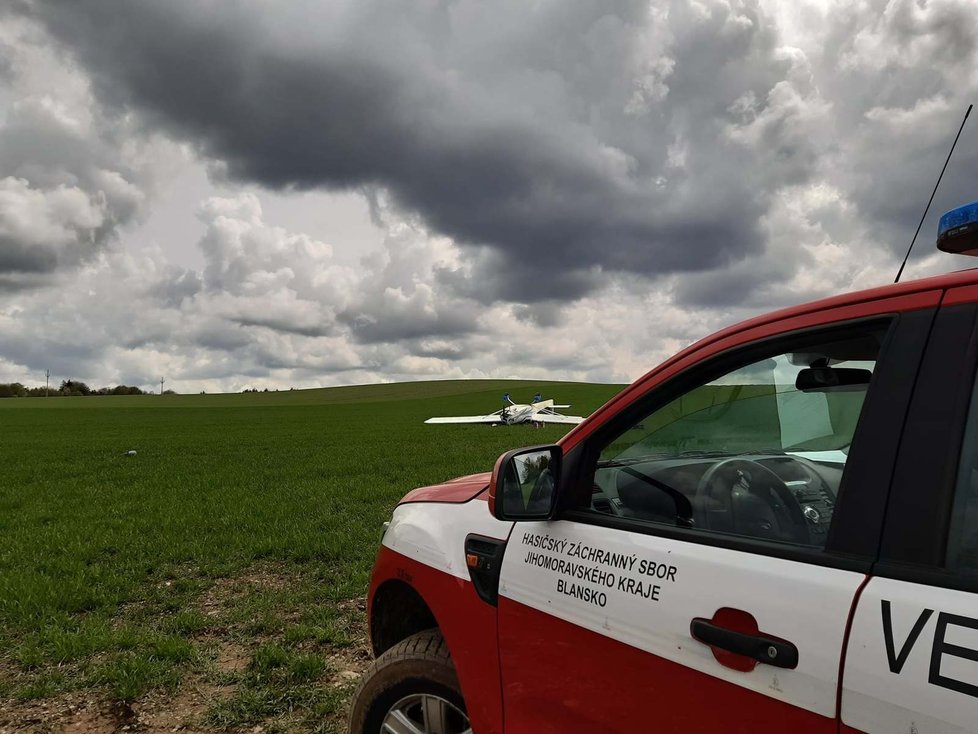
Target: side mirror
(832, 379)
(524, 483)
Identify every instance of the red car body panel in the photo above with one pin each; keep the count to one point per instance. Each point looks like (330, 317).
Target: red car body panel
(458, 490)
(707, 703)
(467, 623)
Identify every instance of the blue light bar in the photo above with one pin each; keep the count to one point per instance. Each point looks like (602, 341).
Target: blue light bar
(957, 231)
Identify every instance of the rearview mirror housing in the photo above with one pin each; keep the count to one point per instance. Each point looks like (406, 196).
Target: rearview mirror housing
(524, 483)
(832, 379)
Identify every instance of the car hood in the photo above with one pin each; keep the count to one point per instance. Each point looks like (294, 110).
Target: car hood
(457, 490)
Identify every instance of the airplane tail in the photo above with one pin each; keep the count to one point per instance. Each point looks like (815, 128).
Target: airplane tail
(538, 402)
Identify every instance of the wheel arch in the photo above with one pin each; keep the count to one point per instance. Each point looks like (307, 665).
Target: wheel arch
(397, 612)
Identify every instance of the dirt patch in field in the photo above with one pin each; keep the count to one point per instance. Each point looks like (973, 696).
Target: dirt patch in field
(184, 711)
(232, 657)
(71, 713)
(226, 592)
(228, 671)
(154, 713)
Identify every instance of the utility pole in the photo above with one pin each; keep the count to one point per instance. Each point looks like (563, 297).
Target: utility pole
(161, 385)
(47, 382)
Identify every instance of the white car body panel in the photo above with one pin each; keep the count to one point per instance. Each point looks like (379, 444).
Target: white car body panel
(876, 698)
(433, 533)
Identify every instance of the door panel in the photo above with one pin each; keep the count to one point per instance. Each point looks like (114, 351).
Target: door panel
(620, 657)
(714, 492)
(912, 662)
(670, 697)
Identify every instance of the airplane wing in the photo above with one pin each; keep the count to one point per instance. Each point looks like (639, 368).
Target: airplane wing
(556, 418)
(548, 404)
(494, 418)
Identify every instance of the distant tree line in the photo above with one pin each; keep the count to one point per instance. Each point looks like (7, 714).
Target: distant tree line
(69, 388)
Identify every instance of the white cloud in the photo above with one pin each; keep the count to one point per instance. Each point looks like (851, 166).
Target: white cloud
(47, 221)
(71, 173)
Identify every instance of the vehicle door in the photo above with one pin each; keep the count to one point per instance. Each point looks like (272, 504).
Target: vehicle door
(912, 659)
(712, 534)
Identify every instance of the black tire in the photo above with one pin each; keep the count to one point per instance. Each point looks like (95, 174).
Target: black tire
(419, 665)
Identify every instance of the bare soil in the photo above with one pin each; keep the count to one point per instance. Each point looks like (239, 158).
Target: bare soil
(229, 656)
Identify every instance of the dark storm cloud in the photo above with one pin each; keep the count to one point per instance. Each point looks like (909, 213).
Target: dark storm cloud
(738, 286)
(15, 258)
(284, 325)
(76, 358)
(547, 142)
(220, 336)
(542, 314)
(20, 281)
(265, 360)
(492, 275)
(391, 325)
(443, 350)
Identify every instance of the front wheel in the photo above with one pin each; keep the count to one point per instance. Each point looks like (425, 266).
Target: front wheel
(411, 689)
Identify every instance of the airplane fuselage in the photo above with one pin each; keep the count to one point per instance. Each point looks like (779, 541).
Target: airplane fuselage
(517, 413)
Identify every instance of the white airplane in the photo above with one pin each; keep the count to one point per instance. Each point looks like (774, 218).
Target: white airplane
(540, 411)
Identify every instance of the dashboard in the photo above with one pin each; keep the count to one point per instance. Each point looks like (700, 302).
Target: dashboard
(787, 496)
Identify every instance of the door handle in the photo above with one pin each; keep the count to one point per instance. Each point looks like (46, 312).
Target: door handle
(759, 647)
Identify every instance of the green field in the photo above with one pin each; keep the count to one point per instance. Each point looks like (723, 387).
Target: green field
(216, 577)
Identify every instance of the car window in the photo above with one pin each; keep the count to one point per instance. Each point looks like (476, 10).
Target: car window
(757, 451)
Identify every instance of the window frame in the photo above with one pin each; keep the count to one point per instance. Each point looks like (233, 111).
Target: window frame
(913, 547)
(876, 438)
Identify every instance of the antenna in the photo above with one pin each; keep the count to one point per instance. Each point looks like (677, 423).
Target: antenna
(927, 208)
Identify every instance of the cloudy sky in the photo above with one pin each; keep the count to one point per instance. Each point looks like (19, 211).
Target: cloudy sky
(305, 193)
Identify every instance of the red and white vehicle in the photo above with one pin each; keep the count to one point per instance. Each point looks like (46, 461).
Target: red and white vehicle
(774, 530)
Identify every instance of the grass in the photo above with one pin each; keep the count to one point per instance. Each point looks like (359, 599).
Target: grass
(125, 575)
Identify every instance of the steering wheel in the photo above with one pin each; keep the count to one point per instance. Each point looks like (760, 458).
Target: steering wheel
(757, 503)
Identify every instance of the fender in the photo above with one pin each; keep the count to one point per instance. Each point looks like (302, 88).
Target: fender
(423, 547)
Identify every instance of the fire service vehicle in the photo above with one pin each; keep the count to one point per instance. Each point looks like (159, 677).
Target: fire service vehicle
(774, 530)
